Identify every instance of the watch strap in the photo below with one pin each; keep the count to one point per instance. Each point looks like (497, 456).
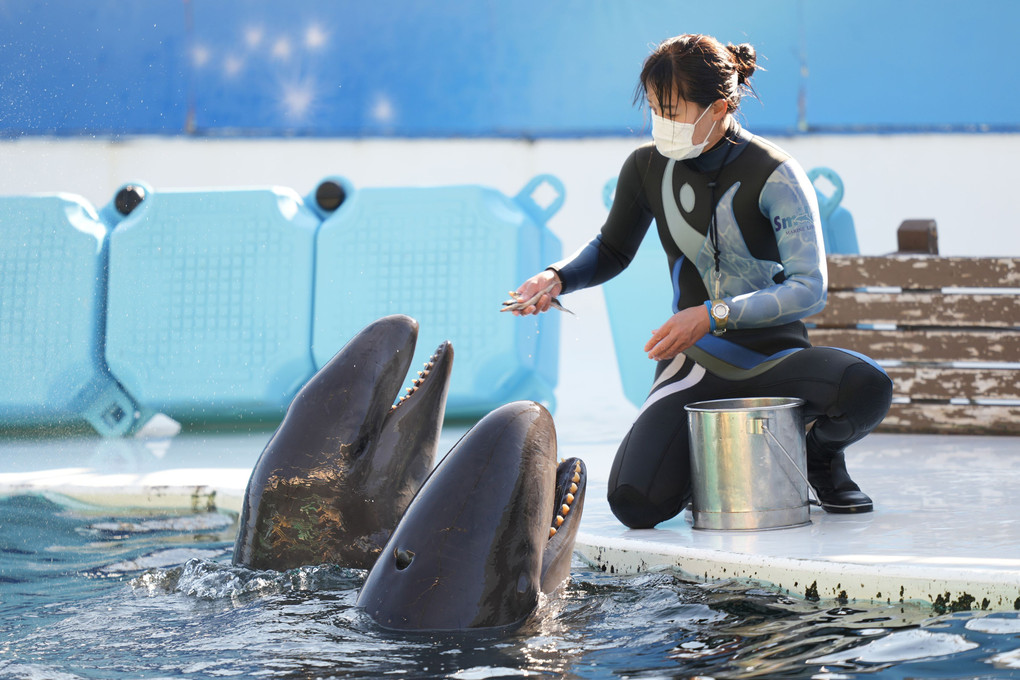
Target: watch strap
(711, 317)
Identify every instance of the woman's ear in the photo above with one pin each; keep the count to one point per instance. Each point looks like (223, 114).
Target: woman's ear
(719, 109)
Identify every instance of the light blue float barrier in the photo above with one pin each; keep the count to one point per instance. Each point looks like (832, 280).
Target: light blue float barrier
(640, 299)
(837, 223)
(53, 251)
(446, 256)
(202, 304)
(210, 299)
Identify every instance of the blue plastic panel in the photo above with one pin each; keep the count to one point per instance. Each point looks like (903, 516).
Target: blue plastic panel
(209, 312)
(447, 257)
(52, 255)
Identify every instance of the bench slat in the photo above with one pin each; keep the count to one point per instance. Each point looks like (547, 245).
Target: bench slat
(934, 382)
(931, 328)
(923, 345)
(922, 271)
(952, 419)
(847, 308)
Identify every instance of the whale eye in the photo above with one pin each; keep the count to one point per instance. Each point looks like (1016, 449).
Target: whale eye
(403, 558)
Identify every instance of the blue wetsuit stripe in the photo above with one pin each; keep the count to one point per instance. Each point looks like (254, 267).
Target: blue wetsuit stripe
(676, 283)
(737, 355)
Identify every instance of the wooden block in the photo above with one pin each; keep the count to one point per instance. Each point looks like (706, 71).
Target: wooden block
(918, 236)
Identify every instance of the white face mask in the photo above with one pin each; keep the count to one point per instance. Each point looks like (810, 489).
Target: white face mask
(676, 140)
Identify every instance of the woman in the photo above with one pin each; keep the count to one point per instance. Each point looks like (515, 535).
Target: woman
(739, 222)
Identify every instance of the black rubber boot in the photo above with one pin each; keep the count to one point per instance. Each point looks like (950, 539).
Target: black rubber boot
(833, 486)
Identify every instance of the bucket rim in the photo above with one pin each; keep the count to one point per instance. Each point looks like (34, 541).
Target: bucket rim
(744, 404)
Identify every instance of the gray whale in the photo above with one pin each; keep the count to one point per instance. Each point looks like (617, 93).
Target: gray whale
(345, 462)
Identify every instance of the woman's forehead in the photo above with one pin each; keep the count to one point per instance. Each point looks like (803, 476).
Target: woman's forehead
(670, 98)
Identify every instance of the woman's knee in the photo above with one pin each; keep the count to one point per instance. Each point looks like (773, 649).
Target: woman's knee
(865, 395)
(637, 511)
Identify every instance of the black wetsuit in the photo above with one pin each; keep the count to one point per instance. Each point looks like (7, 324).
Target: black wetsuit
(771, 273)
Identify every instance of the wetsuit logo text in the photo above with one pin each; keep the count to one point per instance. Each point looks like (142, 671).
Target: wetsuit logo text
(782, 222)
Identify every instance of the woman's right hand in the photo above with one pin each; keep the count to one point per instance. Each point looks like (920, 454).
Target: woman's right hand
(535, 285)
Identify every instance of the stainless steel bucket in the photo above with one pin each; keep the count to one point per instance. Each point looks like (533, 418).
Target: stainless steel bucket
(748, 464)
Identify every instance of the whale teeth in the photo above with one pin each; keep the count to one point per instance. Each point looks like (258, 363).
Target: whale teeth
(570, 498)
(564, 509)
(552, 531)
(420, 380)
(573, 488)
(577, 466)
(577, 478)
(559, 520)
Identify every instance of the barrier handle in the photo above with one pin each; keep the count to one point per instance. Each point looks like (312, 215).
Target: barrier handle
(113, 412)
(526, 199)
(827, 204)
(763, 423)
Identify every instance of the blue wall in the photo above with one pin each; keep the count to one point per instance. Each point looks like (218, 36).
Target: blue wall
(528, 68)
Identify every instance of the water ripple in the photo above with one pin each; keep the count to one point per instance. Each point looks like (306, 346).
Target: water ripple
(155, 598)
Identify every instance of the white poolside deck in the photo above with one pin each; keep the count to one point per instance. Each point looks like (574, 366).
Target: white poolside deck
(946, 527)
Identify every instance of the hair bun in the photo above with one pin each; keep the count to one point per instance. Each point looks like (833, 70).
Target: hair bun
(746, 58)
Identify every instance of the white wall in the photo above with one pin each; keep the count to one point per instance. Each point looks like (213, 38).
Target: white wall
(965, 182)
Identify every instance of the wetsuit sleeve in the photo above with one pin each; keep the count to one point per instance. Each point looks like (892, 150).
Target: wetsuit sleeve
(788, 201)
(612, 250)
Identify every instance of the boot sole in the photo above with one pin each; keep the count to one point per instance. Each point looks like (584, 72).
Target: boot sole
(847, 509)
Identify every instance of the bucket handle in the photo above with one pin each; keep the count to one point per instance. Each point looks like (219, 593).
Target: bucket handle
(763, 424)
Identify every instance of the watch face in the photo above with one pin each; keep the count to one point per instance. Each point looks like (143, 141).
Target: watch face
(720, 310)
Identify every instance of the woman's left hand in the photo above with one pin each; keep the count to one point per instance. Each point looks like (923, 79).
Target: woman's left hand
(680, 332)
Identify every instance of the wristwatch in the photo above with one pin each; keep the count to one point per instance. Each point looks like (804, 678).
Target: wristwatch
(720, 312)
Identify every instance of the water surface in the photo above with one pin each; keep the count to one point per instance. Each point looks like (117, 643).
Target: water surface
(90, 594)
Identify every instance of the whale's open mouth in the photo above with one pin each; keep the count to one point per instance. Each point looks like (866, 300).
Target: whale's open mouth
(423, 375)
(569, 475)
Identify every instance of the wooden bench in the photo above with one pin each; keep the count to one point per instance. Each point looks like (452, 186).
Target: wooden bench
(946, 329)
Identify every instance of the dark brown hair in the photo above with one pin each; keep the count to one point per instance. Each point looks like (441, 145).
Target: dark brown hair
(698, 69)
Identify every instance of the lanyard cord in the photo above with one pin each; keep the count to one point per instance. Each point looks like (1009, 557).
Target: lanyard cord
(713, 229)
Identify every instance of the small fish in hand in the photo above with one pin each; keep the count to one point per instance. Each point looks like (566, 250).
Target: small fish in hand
(517, 301)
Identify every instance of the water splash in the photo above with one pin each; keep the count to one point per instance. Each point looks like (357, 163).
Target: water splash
(205, 580)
